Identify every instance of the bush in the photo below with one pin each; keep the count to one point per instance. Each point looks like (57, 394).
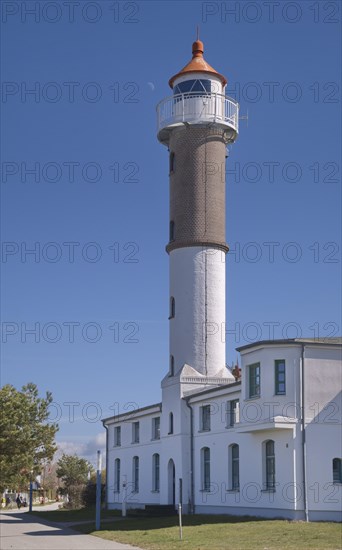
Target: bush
(89, 494)
(75, 494)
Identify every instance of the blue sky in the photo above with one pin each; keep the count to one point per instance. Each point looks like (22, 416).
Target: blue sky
(96, 210)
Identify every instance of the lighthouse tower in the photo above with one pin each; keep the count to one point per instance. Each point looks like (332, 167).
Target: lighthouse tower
(196, 123)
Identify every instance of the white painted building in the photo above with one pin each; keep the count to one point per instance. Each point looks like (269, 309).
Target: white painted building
(265, 441)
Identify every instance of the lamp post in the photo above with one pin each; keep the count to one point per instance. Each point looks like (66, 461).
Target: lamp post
(98, 492)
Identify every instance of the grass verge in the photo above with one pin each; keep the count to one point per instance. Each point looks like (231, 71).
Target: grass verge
(201, 532)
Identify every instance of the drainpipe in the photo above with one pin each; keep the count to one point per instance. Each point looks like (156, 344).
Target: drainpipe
(302, 421)
(192, 492)
(107, 493)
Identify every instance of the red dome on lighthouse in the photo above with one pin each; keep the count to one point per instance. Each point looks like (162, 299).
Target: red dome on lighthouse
(198, 65)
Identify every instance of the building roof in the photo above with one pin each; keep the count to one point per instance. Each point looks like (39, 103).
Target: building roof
(235, 385)
(124, 415)
(198, 65)
(291, 341)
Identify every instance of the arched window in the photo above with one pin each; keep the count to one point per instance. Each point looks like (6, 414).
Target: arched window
(269, 465)
(172, 366)
(155, 472)
(172, 307)
(234, 472)
(205, 460)
(117, 475)
(135, 474)
(337, 470)
(172, 230)
(170, 423)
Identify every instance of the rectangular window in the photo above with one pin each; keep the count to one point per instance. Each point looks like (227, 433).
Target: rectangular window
(117, 436)
(156, 428)
(254, 380)
(205, 418)
(233, 410)
(135, 432)
(279, 372)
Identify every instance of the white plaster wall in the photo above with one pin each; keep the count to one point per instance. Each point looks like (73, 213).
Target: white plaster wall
(144, 450)
(323, 442)
(197, 282)
(323, 406)
(268, 405)
(175, 446)
(251, 496)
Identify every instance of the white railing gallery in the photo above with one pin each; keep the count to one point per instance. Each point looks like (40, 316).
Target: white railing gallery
(198, 107)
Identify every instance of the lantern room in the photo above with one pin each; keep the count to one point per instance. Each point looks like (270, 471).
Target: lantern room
(198, 98)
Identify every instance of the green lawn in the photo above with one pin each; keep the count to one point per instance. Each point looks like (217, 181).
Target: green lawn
(202, 532)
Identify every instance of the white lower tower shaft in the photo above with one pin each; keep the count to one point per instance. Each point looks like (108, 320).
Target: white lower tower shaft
(197, 283)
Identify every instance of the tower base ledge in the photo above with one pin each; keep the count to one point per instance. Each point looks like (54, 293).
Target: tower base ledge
(192, 381)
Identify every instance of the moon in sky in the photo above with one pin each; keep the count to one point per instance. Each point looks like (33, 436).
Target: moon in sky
(151, 85)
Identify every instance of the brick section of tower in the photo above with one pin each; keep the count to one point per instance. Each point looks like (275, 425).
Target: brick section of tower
(197, 187)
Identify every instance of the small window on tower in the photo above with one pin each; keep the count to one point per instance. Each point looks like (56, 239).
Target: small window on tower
(172, 230)
(170, 424)
(172, 163)
(172, 307)
(172, 366)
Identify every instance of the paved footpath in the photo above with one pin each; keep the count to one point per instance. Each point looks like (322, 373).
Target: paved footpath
(22, 531)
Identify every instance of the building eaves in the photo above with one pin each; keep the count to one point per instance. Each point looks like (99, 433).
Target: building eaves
(129, 414)
(294, 341)
(213, 390)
